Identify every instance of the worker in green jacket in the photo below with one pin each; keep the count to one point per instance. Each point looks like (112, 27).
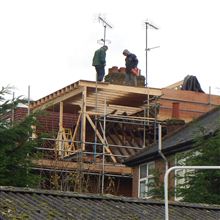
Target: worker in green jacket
(99, 62)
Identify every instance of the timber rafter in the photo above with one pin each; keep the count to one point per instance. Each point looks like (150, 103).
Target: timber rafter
(117, 96)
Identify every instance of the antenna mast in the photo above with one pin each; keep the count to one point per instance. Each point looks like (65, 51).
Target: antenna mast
(105, 25)
(147, 49)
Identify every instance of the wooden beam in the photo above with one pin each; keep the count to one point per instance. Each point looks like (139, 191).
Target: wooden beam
(175, 85)
(130, 89)
(100, 138)
(75, 132)
(61, 117)
(83, 118)
(96, 168)
(54, 99)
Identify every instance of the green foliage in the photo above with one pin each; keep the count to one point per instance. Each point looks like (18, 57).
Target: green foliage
(156, 187)
(195, 186)
(16, 148)
(202, 186)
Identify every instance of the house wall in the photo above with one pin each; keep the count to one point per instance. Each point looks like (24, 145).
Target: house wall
(135, 181)
(16, 115)
(191, 104)
(48, 121)
(159, 166)
(20, 113)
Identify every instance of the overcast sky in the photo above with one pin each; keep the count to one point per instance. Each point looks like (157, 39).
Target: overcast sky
(49, 44)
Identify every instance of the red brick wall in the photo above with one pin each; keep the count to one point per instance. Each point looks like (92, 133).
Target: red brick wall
(190, 104)
(20, 113)
(49, 122)
(135, 181)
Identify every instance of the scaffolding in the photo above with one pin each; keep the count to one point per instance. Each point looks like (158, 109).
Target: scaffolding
(113, 123)
(120, 119)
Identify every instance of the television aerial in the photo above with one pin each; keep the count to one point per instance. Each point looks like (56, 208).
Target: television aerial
(106, 25)
(148, 25)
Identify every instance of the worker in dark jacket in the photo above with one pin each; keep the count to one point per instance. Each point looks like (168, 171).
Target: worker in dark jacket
(99, 62)
(131, 62)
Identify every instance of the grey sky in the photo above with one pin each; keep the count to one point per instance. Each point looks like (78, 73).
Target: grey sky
(49, 44)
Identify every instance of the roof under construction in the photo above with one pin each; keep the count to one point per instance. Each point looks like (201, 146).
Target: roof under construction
(117, 97)
(113, 122)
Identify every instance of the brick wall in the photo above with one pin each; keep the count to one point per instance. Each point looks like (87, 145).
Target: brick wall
(135, 181)
(117, 76)
(49, 121)
(186, 105)
(20, 113)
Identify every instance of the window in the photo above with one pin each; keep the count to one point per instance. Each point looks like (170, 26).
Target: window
(146, 177)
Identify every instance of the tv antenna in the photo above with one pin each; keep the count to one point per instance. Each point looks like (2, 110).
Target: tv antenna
(105, 25)
(149, 25)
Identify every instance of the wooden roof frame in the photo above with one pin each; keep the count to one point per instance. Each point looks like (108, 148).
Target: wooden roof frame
(126, 98)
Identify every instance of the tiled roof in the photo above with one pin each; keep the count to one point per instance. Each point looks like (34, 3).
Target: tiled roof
(182, 139)
(24, 203)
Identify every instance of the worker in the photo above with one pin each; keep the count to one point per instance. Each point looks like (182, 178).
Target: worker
(99, 62)
(131, 62)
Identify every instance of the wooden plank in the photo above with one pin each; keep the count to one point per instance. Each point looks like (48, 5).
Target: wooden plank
(175, 85)
(75, 131)
(100, 138)
(97, 168)
(131, 89)
(55, 100)
(108, 92)
(61, 116)
(83, 118)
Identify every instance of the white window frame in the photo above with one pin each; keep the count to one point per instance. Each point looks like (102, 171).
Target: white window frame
(145, 179)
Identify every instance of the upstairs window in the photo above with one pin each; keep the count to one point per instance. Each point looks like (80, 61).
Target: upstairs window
(146, 178)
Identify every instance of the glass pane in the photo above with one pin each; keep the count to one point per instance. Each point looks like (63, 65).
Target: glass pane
(142, 189)
(151, 168)
(143, 171)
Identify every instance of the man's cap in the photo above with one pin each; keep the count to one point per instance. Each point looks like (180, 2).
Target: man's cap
(105, 47)
(125, 51)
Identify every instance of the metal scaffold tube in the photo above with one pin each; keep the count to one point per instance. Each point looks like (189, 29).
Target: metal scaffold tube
(103, 150)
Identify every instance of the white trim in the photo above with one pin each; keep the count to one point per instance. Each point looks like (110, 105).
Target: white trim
(146, 178)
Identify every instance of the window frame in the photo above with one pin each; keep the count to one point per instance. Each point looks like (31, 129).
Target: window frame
(149, 176)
